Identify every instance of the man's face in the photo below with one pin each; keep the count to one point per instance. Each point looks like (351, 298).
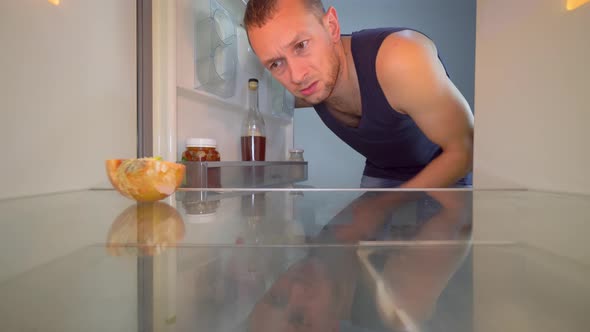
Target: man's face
(300, 300)
(297, 48)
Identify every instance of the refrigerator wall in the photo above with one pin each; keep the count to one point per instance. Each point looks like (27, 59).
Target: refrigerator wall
(67, 92)
(532, 102)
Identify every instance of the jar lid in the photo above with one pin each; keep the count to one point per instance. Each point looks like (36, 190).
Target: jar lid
(201, 143)
(253, 84)
(296, 150)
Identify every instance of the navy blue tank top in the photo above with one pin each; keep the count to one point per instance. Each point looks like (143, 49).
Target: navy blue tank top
(392, 142)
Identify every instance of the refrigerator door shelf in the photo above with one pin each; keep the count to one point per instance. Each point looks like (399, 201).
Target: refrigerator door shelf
(216, 54)
(232, 175)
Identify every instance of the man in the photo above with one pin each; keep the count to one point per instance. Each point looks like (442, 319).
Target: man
(382, 91)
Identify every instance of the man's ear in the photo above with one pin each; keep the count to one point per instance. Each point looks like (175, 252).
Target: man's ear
(331, 23)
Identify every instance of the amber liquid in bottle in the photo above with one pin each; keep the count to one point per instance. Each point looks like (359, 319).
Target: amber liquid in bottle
(253, 139)
(253, 148)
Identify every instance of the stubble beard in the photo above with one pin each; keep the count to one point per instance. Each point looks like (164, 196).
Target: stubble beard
(330, 83)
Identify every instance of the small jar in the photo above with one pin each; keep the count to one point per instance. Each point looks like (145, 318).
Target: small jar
(201, 149)
(296, 155)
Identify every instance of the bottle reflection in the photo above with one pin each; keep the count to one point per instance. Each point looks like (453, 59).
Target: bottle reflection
(253, 209)
(145, 229)
(391, 285)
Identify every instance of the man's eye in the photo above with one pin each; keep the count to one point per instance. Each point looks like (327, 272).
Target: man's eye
(301, 45)
(275, 65)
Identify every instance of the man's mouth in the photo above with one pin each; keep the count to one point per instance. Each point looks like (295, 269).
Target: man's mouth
(310, 89)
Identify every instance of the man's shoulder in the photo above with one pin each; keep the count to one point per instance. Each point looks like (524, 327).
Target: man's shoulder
(383, 32)
(409, 39)
(403, 64)
(375, 32)
(385, 39)
(405, 46)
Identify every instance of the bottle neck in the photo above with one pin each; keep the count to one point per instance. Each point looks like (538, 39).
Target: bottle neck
(253, 99)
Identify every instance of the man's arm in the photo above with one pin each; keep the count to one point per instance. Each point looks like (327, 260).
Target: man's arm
(415, 83)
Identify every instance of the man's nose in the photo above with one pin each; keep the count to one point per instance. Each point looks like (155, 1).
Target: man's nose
(299, 71)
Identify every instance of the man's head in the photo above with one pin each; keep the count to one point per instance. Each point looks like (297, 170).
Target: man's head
(302, 299)
(258, 12)
(297, 41)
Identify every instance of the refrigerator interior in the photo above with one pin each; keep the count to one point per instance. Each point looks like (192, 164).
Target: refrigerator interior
(213, 65)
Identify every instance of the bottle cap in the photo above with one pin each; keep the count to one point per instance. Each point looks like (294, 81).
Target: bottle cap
(201, 143)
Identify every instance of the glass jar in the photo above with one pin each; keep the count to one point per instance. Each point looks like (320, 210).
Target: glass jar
(201, 149)
(296, 155)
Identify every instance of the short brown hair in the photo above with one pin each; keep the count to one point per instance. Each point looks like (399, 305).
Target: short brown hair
(258, 12)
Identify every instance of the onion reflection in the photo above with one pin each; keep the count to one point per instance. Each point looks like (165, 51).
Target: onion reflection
(145, 229)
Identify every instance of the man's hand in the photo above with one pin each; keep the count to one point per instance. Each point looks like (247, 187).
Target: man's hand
(415, 83)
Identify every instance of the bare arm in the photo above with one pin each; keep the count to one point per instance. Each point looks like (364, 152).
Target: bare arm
(418, 275)
(415, 83)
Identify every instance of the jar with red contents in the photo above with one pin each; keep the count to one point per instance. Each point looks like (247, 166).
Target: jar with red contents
(201, 149)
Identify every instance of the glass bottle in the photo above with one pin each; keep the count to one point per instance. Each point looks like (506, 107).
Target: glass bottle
(253, 138)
